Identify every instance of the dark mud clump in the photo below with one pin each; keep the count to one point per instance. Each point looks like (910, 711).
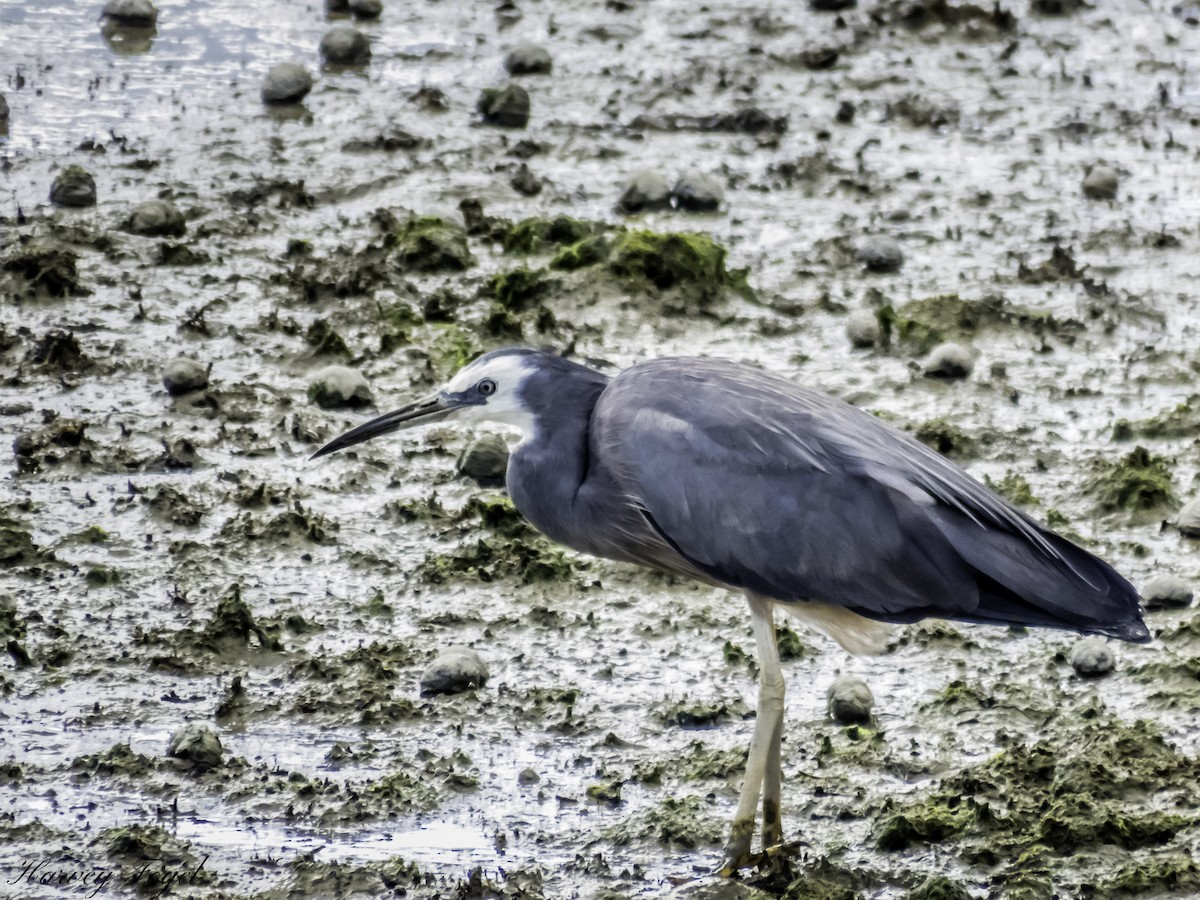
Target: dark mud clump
(36, 269)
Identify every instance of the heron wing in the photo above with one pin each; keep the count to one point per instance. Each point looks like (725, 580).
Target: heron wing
(771, 487)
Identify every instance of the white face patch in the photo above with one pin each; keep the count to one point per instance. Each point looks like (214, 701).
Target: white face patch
(504, 405)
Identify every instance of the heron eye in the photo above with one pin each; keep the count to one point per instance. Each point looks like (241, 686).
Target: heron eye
(486, 387)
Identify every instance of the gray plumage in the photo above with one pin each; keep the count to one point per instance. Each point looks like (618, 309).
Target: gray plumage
(738, 478)
(721, 472)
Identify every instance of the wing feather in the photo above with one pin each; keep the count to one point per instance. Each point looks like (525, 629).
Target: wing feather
(771, 487)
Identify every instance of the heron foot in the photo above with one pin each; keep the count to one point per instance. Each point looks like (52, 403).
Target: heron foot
(762, 860)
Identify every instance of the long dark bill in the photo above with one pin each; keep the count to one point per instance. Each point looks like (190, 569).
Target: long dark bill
(431, 409)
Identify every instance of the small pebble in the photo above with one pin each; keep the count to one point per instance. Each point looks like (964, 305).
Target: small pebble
(1167, 591)
(1188, 520)
(1101, 183)
(506, 106)
(523, 181)
(697, 192)
(645, 190)
(286, 82)
(156, 218)
(455, 670)
(183, 375)
(949, 360)
(198, 744)
(135, 13)
(1092, 658)
(849, 700)
(337, 387)
(366, 9)
(345, 46)
(485, 460)
(862, 328)
(528, 776)
(74, 186)
(880, 253)
(528, 58)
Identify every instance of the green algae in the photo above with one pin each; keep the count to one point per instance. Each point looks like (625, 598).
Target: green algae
(309, 878)
(699, 762)
(681, 821)
(588, 252)
(538, 233)
(1180, 422)
(1074, 793)
(688, 713)
(606, 792)
(921, 324)
(1172, 874)
(1138, 482)
(946, 437)
(508, 548)
(1014, 488)
(432, 244)
(938, 887)
(690, 264)
(520, 289)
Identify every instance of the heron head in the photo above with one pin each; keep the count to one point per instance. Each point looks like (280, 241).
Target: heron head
(487, 389)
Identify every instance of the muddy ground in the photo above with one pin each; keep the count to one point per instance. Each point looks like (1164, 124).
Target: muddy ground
(177, 560)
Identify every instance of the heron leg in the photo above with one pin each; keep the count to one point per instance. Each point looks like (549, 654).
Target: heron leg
(763, 772)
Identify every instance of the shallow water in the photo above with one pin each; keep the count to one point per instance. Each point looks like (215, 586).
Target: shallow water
(994, 185)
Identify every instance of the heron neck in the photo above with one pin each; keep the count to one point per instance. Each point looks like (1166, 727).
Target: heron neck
(548, 469)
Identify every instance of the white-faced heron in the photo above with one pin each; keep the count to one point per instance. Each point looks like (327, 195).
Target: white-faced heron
(738, 478)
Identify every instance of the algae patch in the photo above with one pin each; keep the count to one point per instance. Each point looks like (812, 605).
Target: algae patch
(1139, 482)
(1104, 784)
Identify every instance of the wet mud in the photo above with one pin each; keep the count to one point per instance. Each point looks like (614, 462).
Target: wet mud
(211, 684)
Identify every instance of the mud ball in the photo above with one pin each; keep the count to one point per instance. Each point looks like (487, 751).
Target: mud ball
(455, 670)
(366, 9)
(345, 46)
(506, 106)
(1167, 591)
(1092, 658)
(198, 744)
(337, 6)
(862, 328)
(74, 186)
(156, 218)
(182, 376)
(1101, 183)
(339, 387)
(528, 58)
(135, 13)
(1188, 520)
(528, 776)
(286, 82)
(949, 360)
(697, 192)
(485, 460)
(645, 190)
(849, 700)
(880, 253)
